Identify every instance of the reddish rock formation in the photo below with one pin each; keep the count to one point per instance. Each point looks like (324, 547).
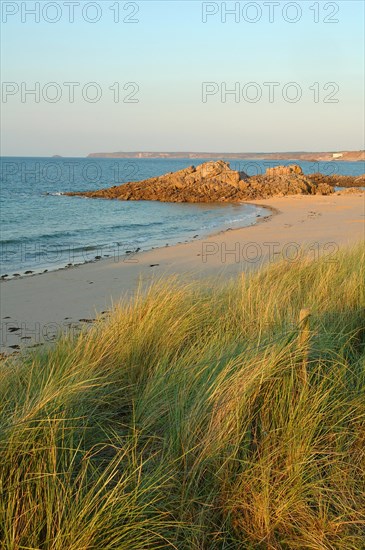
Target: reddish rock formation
(216, 182)
(284, 180)
(209, 182)
(337, 180)
(284, 170)
(351, 191)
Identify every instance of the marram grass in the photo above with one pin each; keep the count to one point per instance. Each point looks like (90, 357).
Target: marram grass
(183, 420)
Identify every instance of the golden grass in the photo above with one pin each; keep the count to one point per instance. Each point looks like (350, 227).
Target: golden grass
(183, 420)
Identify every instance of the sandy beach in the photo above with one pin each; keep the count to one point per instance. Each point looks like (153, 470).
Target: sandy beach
(36, 308)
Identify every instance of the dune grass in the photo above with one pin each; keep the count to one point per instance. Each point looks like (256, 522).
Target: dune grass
(183, 420)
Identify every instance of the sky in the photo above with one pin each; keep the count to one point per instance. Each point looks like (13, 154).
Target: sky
(157, 76)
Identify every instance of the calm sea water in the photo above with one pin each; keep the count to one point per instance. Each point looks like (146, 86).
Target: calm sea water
(41, 229)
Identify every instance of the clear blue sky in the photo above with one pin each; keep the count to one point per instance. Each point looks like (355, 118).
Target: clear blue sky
(170, 52)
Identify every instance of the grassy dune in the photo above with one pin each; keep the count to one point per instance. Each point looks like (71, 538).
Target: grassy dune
(184, 420)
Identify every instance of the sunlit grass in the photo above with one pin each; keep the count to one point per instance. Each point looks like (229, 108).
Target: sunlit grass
(183, 420)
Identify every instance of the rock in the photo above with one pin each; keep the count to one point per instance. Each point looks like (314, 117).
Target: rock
(350, 191)
(324, 189)
(216, 182)
(263, 187)
(337, 180)
(284, 170)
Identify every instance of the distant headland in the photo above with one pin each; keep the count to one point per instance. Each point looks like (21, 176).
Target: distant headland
(349, 156)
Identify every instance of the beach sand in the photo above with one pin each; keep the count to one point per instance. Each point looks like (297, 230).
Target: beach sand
(34, 309)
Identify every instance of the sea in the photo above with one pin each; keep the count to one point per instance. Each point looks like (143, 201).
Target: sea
(43, 230)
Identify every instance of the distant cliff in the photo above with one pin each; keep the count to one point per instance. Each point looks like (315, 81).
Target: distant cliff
(295, 155)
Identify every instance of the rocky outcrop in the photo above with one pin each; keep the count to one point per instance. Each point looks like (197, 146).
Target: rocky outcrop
(351, 191)
(216, 182)
(284, 180)
(336, 180)
(209, 182)
(284, 170)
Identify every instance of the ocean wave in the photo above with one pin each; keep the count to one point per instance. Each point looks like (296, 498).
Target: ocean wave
(46, 237)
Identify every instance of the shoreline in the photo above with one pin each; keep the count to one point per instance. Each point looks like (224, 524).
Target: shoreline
(258, 219)
(36, 309)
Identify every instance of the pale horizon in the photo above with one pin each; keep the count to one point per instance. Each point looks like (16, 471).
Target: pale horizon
(303, 151)
(181, 76)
